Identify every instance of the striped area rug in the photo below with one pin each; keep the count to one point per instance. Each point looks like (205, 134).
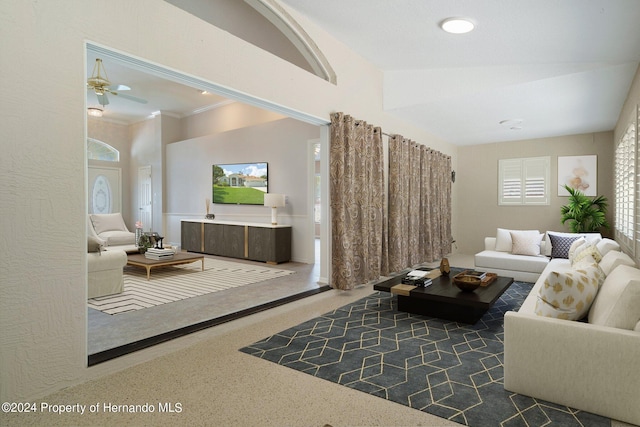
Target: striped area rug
(175, 283)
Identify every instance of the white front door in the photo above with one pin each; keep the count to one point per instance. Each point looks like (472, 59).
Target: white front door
(144, 197)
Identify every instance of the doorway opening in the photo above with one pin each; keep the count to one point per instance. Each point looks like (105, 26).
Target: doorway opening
(103, 330)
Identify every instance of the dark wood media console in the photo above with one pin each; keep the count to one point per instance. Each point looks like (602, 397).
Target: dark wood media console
(252, 241)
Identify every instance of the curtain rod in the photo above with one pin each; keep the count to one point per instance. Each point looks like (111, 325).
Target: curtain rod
(357, 123)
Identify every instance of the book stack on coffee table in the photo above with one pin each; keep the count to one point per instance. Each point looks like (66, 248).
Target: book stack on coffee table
(158, 254)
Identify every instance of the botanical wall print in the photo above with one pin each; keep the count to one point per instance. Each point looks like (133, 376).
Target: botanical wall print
(578, 172)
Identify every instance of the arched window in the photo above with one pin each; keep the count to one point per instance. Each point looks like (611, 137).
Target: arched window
(98, 150)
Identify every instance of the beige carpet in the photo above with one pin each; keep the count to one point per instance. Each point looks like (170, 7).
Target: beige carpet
(219, 386)
(175, 283)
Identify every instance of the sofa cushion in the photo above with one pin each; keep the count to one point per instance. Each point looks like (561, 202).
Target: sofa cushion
(613, 259)
(525, 242)
(618, 302)
(605, 245)
(569, 294)
(503, 239)
(108, 222)
(488, 260)
(560, 245)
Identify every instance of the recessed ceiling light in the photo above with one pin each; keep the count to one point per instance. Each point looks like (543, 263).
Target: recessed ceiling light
(457, 25)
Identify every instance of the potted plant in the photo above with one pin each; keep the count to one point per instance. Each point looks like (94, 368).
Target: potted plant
(585, 215)
(144, 243)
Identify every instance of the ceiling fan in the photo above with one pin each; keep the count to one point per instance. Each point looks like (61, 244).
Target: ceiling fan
(100, 84)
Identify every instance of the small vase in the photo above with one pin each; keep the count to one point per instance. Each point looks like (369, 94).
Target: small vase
(445, 269)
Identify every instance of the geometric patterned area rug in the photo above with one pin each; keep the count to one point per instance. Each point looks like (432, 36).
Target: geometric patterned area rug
(175, 283)
(451, 370)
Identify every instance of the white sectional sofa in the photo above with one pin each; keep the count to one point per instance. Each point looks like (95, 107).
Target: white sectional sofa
(591, 363)
(525, 264)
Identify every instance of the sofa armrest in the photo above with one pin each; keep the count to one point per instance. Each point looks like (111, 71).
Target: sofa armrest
(577, 364)
(106, 260)
(489, 243)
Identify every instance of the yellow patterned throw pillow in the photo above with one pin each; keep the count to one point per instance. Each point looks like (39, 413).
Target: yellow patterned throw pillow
(586, 250)
(569, 295)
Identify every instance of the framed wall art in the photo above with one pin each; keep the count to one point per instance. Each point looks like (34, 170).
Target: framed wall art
(578, 172)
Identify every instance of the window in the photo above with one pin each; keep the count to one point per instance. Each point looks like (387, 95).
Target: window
(523, 181)
(98, 150)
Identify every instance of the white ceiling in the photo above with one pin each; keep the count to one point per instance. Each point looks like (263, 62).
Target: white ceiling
(560, 66)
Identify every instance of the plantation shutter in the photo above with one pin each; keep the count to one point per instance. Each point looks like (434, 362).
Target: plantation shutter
(510, 182)
(523, 181)
(536, 181)
(624, 189)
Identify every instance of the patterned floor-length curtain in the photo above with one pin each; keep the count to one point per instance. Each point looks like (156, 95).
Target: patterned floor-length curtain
(357, 202)
(399, 191)
(419, 204)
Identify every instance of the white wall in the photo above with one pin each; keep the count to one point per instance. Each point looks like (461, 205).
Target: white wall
(43, 166)
(282, 144)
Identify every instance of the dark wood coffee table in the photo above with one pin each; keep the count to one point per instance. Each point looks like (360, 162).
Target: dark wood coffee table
(444, 300)
(139, 260)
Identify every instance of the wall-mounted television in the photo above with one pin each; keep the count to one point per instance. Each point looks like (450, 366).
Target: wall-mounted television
(240, 183)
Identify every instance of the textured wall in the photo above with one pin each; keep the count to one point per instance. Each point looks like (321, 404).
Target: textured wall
(42, 165)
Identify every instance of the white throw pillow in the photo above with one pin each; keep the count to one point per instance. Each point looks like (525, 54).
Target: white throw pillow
(613, 259)
(574, 246)
(526, 242)
(503, 239)
(618, 302)
(586, 250)
(605, 245)
(108, 222)
(569, 294)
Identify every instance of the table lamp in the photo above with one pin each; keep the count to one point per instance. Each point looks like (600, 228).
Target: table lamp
(274, 201)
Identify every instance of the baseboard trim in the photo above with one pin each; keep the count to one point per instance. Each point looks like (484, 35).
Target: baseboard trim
(112, 353)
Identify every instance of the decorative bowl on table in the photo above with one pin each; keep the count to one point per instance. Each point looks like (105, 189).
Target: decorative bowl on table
(467, 283)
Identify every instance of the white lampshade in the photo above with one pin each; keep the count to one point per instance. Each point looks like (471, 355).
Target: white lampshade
(274, 200)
